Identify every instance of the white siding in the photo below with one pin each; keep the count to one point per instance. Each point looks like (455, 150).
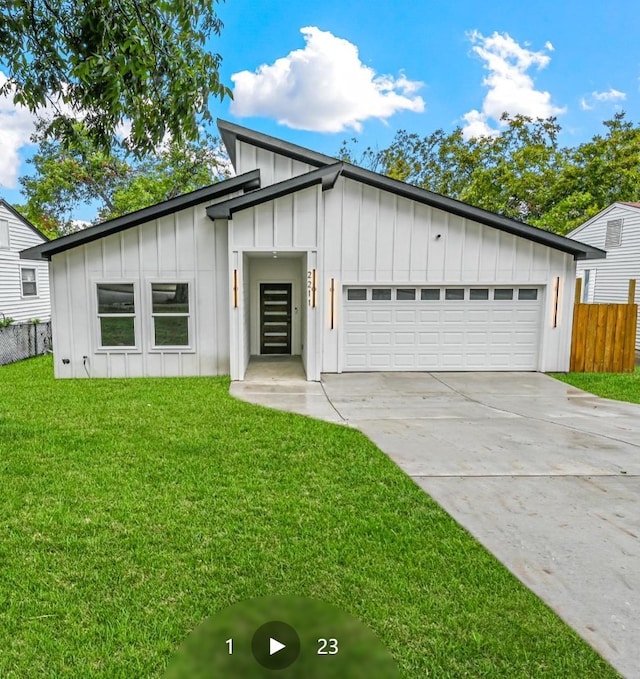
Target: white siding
(184, 247)
(12, 303)
(622, 263)
(273, 166)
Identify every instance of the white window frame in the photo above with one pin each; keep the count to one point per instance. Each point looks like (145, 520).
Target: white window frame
(5, 241)
(171, 348)
(22, 282)
(117, 349)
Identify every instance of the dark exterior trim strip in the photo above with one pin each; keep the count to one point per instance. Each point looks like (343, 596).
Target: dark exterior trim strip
(23, 219)
(246, 182)
(327, 176)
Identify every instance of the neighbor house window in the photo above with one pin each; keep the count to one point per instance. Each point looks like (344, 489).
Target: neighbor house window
(116, 314)
(29, 284)
(613, 236)
(4, 234)
(170, 311)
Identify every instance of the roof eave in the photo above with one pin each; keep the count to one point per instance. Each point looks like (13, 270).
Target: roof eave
(327, 176)
(24, 220)
(247, 182)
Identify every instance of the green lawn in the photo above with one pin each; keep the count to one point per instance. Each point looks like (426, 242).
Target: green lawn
(619, 386)
(133, 509)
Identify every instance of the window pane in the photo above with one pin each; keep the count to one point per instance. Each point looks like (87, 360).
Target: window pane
(117, 332)
(503, 293)
(479, 293)
(29, 289)
(171, 331)
(528, 293)
(430, 294)
(454, 293)
(356, 294)
(28, 275)
(170, 298)
(115, 298)
(381, 293)
(405, 293)
(4, 234)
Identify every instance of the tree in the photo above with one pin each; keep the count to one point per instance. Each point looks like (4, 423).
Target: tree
(107, 62)
(80, 173)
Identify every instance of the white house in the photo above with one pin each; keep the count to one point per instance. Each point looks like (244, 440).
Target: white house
(302, 254)
(617, 231)
(24, 285)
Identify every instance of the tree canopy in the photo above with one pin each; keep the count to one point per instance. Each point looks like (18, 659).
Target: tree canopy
(112, 62)
(115, 182)
(523, 173)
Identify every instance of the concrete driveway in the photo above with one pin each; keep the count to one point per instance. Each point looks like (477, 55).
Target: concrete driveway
(546, 476)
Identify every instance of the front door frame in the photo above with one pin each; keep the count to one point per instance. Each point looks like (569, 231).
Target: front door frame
(284, 285)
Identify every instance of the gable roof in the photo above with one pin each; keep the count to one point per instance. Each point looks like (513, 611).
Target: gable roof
(602, 213)
(248, 181)
(23, 219)
(231, 132)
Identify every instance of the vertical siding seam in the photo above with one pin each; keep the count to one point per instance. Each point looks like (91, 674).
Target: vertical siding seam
(395, 235)
(412, 226)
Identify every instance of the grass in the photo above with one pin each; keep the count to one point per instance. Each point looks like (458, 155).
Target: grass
(618, 386)
(133, 509)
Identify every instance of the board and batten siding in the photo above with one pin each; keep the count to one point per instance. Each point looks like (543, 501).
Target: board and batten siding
(12, 303)
(611, 276)
(182, 247)
(373, 237)
(274, 167)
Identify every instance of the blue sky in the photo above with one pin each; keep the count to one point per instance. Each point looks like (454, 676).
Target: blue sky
(365, 69)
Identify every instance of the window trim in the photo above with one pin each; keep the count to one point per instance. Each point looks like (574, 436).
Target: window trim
(8, 231)
(129, 349)
(151, 315)
(36, 294)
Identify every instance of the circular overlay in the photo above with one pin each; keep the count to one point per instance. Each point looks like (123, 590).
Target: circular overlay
(282, 636)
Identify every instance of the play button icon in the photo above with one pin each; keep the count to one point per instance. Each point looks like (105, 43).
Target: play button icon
(275, 645)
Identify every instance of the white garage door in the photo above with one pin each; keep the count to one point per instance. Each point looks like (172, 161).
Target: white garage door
(441, 328)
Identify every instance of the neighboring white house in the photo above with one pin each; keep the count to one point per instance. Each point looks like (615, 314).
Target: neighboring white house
(617, 231)
(24, 285)
(302, 254)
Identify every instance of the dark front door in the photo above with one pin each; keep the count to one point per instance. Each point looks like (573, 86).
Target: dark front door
(275, 318)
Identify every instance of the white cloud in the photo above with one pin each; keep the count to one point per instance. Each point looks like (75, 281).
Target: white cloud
(510, 87)
(549, 46)
(323, 87)
(16, 127)
(476, 125)
(609, 95)
(589, 102)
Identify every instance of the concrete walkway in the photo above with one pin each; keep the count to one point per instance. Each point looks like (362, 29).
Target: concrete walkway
(546, 476)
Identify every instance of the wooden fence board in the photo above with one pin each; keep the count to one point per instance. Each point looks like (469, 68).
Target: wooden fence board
(603, 338)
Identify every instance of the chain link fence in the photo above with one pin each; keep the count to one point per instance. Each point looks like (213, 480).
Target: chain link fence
(24, 340)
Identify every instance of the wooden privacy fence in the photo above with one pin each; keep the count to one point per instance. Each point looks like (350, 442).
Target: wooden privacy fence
(604, 335)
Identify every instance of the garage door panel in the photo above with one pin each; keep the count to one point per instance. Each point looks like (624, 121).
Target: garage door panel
(469, 334)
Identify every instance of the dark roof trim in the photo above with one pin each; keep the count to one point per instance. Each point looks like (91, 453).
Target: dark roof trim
(23, 219)
(327, 176)
(230, 132)
(476, 214)
(246, 182)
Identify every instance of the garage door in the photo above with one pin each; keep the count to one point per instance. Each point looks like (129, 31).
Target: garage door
(441, 328)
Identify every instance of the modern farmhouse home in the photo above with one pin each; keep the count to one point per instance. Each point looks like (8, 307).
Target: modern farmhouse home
(616, 229)
(302, 254)
(24, 285)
